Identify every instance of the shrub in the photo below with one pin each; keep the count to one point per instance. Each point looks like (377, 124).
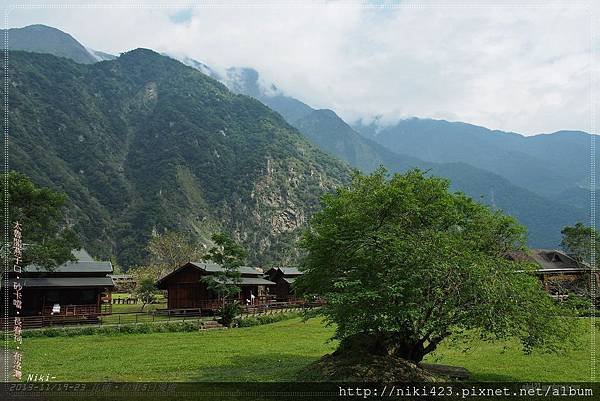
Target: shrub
(147, 328)
(228, 312)
(265, 319)
(581, 305)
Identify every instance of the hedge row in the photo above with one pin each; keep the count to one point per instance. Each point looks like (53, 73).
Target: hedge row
(146, 328)
(141, 328)
(265, 319)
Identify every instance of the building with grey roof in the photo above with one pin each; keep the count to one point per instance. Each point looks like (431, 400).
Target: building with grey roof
(186, 288)
(559, 272)
(75, 288)
(284, 278)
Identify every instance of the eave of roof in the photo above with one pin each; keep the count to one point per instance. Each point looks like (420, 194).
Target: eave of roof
(62, 282)
(246, 281)
(215, 268)
(564, 270)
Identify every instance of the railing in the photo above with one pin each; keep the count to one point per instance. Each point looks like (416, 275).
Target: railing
(259, 302)
(36, 322)
(72, 310)
(125, 301)
(160, 315)
(106, 308)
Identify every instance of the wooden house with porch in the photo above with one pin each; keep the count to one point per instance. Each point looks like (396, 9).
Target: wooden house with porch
(72, 290)
(186, 289)
(284, 278)
(560, 274)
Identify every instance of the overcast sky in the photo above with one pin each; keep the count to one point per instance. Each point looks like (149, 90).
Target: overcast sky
(521, 68)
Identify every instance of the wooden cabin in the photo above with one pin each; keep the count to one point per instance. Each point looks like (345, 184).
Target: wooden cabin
(80, 288)
(283, 277)
(559, 273)
(187, 290)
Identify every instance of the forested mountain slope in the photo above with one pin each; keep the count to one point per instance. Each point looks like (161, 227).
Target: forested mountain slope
(144, 143)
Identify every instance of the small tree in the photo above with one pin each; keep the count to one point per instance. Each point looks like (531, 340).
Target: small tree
(403, 263)
(48, 240)
(230, 256)
(146, 290)
(577, 241)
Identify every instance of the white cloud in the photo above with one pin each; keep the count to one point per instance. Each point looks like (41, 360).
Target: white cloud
(523, 69)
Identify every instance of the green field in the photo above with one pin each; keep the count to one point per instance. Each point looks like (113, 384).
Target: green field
(274, 352)
(504, 361)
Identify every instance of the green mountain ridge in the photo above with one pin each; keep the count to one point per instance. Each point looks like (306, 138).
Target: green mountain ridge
(143, 143)
(543, 216)
(545, 164)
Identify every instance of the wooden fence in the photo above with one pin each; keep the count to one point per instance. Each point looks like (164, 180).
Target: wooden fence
(160, 315)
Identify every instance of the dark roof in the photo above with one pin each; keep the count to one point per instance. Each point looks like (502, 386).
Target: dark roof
(73, 267)
(289, 280)
(287, 271)
(290, 271)
(84, 264)
(248, 281)
(549, 260)
(211, 268)
(63, 282)
(214, 268)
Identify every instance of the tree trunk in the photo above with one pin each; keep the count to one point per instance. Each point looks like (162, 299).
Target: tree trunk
(388, 344)
(410, 351)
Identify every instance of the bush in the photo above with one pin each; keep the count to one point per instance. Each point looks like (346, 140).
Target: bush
(265, 319)
(143, 328)
(228, 313)
(581, 305)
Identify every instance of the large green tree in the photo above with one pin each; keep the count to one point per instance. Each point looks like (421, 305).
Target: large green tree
(402, 263)
(577, 240)
(47, 238)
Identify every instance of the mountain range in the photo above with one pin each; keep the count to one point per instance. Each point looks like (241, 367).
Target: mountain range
(541, 180)
(201, 158)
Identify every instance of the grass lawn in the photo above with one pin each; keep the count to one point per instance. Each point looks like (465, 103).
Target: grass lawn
(504, 361)
(261, 353)
(274, 352)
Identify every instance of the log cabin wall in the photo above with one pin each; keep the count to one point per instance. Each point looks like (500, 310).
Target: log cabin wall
(185, 289)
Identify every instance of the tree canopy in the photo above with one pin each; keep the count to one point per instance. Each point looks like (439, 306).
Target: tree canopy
(146, 290)
(577, 241)
(47, 238)
(172, 250)
(402, 263)
(230, 256)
